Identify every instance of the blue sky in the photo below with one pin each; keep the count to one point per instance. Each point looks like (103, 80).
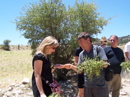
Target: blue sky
(119, 25)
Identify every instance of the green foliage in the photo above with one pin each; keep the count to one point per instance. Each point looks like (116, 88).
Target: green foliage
(54, 95)
(52, 17)
(87, 18)
(91, 67)
(108, 43)
(6, 45)
(126, 66)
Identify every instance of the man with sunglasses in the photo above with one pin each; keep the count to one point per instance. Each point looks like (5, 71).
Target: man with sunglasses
(103, 42)
(115, 57)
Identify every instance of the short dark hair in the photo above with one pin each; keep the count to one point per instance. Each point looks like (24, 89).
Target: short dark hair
(84, 35)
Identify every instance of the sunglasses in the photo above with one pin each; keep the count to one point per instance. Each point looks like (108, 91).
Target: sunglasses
(104, 41)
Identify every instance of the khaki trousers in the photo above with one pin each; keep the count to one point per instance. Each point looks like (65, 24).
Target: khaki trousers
(115, 85)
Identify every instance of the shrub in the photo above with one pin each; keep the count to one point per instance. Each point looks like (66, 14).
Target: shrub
(6, 45)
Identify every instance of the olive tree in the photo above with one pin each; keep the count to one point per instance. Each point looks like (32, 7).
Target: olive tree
(52, 17)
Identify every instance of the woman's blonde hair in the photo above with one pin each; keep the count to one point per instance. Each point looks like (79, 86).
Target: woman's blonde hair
(48, 41)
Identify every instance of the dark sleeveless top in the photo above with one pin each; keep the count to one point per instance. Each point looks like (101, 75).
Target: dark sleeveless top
(46, 74)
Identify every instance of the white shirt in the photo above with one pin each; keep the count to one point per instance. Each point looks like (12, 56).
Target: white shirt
(127, 49)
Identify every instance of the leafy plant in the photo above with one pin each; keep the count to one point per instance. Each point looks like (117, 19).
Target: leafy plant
(52, 17)
(126, 66)
(54, 95)
(91, 67)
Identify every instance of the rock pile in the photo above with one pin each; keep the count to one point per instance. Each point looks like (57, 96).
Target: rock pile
(69, 88)
(17, 90)
(24, 89)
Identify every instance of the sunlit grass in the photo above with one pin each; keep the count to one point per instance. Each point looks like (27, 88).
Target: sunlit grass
(14, 66)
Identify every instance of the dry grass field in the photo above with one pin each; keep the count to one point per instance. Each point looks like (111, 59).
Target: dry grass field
(14, 66)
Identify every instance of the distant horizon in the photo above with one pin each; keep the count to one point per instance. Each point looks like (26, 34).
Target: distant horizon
(29, 44)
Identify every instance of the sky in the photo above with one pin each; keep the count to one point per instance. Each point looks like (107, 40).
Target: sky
(118, 9)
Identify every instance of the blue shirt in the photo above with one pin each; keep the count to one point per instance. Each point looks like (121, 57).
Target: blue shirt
(100, 80)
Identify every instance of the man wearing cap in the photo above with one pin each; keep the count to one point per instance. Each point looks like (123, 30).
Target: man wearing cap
(103, 42)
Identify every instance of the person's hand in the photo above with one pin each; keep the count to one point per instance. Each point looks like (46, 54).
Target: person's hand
(67, 66)
(43, 95)
(105, 65)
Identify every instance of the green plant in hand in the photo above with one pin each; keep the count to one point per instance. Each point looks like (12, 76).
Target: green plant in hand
(91, 67)
(126, 66)
(54, 95)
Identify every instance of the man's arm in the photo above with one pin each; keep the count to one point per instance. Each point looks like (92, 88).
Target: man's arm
(66, 66)
(76, 60)
(126, 56)
(126, 52)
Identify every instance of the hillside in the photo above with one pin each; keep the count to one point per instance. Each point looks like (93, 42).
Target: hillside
(124, 39)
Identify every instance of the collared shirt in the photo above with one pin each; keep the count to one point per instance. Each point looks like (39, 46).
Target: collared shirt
(95, 50)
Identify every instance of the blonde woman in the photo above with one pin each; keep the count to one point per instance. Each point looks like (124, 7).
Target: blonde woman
(42, 67)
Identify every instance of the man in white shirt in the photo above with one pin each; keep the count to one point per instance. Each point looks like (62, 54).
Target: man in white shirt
(127, 51)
